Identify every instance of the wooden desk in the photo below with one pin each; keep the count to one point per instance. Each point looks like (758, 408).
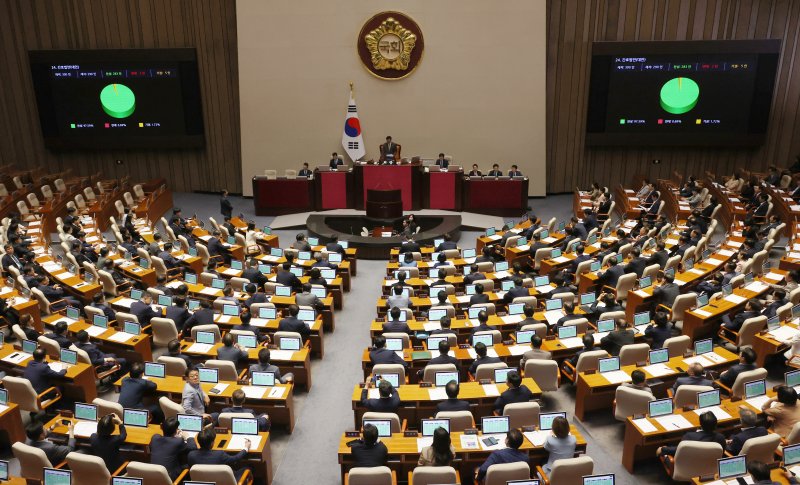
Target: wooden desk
(776, 475)
(11, 424)
(280, 409)
(136, 349)
(594, 392)
(461, 326)
(765, 345)
(77, 384)
(23, 306)
(404, 454)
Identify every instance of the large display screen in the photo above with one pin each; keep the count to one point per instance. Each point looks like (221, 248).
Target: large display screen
(681, 93)
(130, 98)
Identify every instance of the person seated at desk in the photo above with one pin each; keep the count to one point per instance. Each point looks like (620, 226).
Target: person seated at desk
(59, 334)
(106, 445)
(475, 172)
(37, 437)
(245, 317)
(444, 322)
(638, 381)
(170, 261)
(711, 285)
(320, 261)
(752, 309)
(696, 377)
(205, 455)
(610, 276)
(264, 365)
(161, 285)
(442, 300)
(407, 261)
(202, 316)
(293, 324)
(409, 246)
(381, 355)
(516, 392)
(170, 449)
(617, 338)
(749, 429)
(509, 454)
(305, 171)
(440, 452)
(658, 331)
(536, 352)
(389, 399)
(54, 293)
(25, 324)
(442, 162)
(397, 299)
(143, 309)
(441, 260)
(154, 247)
(216, 248)
(515, 291)
(174, 350)
(528, 310)
(286, 278)
(335, 162)
(495, 171)
(306, 298)
(315, 278)
(178, 313)
(560, 444)
(133, 390)
(10, 258)
(480, 351)
(761, 473)
(300, 243)
(453, 403)
(569, 315)
(666, 293)
(474, 275)
(394, 324)
(99, 302)
(444, 356)
(580, 257)
(782, 411)
(237, 400)
(194, 399)
(514, 172)
(97, 357)
(747, 358)
(637, 264)
(368, 451)
(231, 351)
(708, 433)
(389, 152)
(479, 296)
(252, 274)
(483, 325)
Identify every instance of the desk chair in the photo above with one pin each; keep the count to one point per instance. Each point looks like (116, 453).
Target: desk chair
(205, 328)
(110, 288)
(429, 373)
(497, 336)
(224, 419)
(486, 371)
(21, 392)
(459, 420)
(488, 285)
(46, 306)
(544, 372)
(677, 345)
(171, 409)
(568, 471)
(692, 459)
(686, 394)
(737, 389)
(539, 328)
(378, 475)
(680, 306)
(526, 299)
(541, 255)
(397, 425)
(629, 402)
(565, 297)
(611, 315)
(672, 262)
(522, 414)
(581, 323)
(32, 461)
(586, 361)
(164, 331)
(632, 353)
(502, 473)
(651, 271)
(380, 369)
(50, 346)
(430, 475)
(219, 474)
(18, 333)
(173, 366)
(744, 337)
(762, 448)
(625, 284)
(227, 369)
(91, 469)
(107, 407)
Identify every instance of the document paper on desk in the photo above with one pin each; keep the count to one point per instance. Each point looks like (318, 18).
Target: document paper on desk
(431, 326)
(219, 387)
(224, 319)
(571, 342)
(200, 348)
(254, 392)
(490, 390)
(644, 425)
(616, 377)
(469, 442)
(281, 354)
(423, 442)
(537, 438)
(518, 349)
(756, 286)
(237, 442)
(673, 421)
(437, 394)
(715, 357)
(784, 333)
(553, 316)
(512, 319)
(121, 337)
(16, 357)
(773, 276)
(489, 352)
(698, 359)
(209, 291)
(658, 370)
(85, 428)
(94, 330)
(735, 299)
(716, 410)
(757, 402)
(276, 392)
(125, 302)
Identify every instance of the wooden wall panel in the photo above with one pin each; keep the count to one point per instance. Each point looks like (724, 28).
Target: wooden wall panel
(574, 24)
(208, 25)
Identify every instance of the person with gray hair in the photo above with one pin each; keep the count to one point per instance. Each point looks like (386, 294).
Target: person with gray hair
(750, 429)
(696, 377)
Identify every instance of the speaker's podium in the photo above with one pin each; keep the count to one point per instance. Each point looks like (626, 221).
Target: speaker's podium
(384, 204)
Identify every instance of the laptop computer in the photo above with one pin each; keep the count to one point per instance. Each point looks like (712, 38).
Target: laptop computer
(792, 378)
(605, 326)
(132, 328)
(516, 308)
(442, 378)
(587, 299)
(260, 378)
(237, 265)
(136, 294)
(85, 412)
(190, 278)
(29, 346)
(73, 313)
(431, 425)
(135, 417)
(164, 300)
(155, 369)
(495, 424)
(394, 344)
(659, 407)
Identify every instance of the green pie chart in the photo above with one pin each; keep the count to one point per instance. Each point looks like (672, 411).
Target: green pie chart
(679, 95)
(118, 100)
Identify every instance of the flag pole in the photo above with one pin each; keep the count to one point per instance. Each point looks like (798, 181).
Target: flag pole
(351, 87)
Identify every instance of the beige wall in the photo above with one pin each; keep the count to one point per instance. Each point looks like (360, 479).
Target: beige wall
(478, 93)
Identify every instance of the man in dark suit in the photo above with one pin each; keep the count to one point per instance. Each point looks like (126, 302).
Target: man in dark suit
(294, 324)
(483, 323)
(59, 334)
(747, 359)
(580, 257)
(474, 275)
(99, 358)
(474, 172)
(225, 206)
(752, 309)
(495, 171)
(388, 402)
(453, 403)
(778, 300)
(143, 311)
(305, 171)
(666, 293)
(659, 256)
(205, 455)
(708, 433)
(444, 356)
(40, 374)
(695, 377)
(479, 296)
(238, 397)
(610, 276)
(680, 248)
(256, 295)
(37, 437)
(335, 162)
(569, 314)
(516, 392)
(388, 151)
(99, 302)
(174, 350)
(409, 246)
(170, 449)
(637, 263)
(448, 243)
(750, 429)
(442, 162)
(334, 247)
(381, 355)
(178, 312)
(216, 248)
(590, 220)
(514, 172)
(10, 259)
(369, 452)
(133, 390)
(395, 325)
(763, 206)
(54, 293)
(617, 338)
(287, 278)
(231, 351)
(252, 274)
(202, 316)
(516, 291)
(170, 261)
(480, 351)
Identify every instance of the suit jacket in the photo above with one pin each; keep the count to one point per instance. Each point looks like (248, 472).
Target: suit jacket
(309, 299)
(409, 247)
(258, 297)
(442, 162)
(666, 294)
(231, 354)
(658, 257)
(289, 279)
(389, 149)
(445, 245)
(369, 456)
(381, 405)
(63, 341)
(254, 276)
(713, 437)
(55, 453)
(482, 360)
(729, 376)
(494, 173)
(267, 368)
(637, 265)
(614, 341)
(304, 172)
(512, 395)
(737, 321)
(225, 207)
(513, 293)
(611, 276)
(452, 405)
(215, 247)
(335, 163)
(108, 447)
(179, 315)
(202, 316)
(573, 266)
(535, 354)
(96, 356)
(445, 359)
(263, 422)
(144, 313)
(473, 277)
(396, 326)
(40, 375)
(738, 440)
(385, 356)
(170, 261)
(293, 324)
(691, 381)
(168, 452)
(658, 334)
(478, 298)
(11, 260)
(214, 457)
(133, 390)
